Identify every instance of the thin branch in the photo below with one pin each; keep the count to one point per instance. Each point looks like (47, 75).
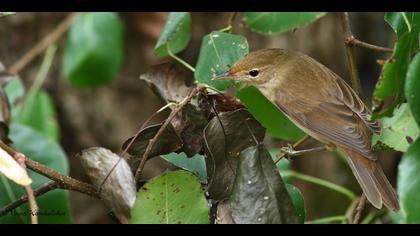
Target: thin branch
(353, 41)
(51, 185)
(232, 18)
(359, 209)
(295, 145)
(29, 192)
(64, 182)
(162, 128)
(41, 46)
(354, 74)
(350, 40)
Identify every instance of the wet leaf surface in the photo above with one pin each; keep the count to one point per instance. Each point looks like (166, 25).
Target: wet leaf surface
(119, 190)
(259, 195)
(224, 140)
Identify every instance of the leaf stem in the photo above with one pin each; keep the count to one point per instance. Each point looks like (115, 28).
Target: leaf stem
(406, 21)
(310, 179)
(327, 220)
(49, 39)
(184, 63)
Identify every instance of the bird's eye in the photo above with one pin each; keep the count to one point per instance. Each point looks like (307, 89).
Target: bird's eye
(254, 73)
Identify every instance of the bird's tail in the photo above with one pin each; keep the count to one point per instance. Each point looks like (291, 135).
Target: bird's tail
(373, 181)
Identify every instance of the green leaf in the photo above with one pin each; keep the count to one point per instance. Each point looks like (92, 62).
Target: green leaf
(54, 205)
(94, 49)
(39, 113)
(283, 165)
(277, 124)
(276, 22)
(14, 90)
(412, 87)
(173, 198)
(175, 35)
(195, 164)
(218, 52)
(298, 202)
(399, 130)
(259, 195)
(391, 82)
(409, 183)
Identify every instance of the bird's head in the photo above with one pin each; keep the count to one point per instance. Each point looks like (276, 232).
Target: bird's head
(257, 67)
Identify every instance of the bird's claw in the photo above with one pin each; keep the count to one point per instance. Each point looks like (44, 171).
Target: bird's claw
(288, 152)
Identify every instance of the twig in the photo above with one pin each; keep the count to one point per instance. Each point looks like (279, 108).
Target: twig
(49, 39)
(232, 18)
(22, 200)
(295, 145)
(162, 128)
(352, 41)
(359, 209)
(63, 181)
(20, 158)
(354, 74)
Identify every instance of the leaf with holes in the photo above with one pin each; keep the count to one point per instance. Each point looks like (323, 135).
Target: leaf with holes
(277, 124)
(224, 141)
(218, 52)
(409, 184)
(175, 35)
(173, 198)
(412, 87)
(110, 173)
(55, 204)
(259, 195)
(94, 49)
(398, 131)
(391, 83)
(276, 22)
(169, 81)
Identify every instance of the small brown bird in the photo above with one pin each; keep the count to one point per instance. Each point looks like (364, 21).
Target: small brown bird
(324, 106)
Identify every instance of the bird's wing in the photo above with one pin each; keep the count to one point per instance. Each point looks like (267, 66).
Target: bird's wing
(352, 101)
(335, 119)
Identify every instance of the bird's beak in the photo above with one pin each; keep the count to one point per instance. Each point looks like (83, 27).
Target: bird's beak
(224, 76)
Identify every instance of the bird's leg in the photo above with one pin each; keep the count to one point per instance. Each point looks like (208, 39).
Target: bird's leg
(290, 152)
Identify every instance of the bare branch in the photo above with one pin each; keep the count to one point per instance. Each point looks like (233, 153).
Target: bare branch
(41, 46)
(24, 199)
(64, 181)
